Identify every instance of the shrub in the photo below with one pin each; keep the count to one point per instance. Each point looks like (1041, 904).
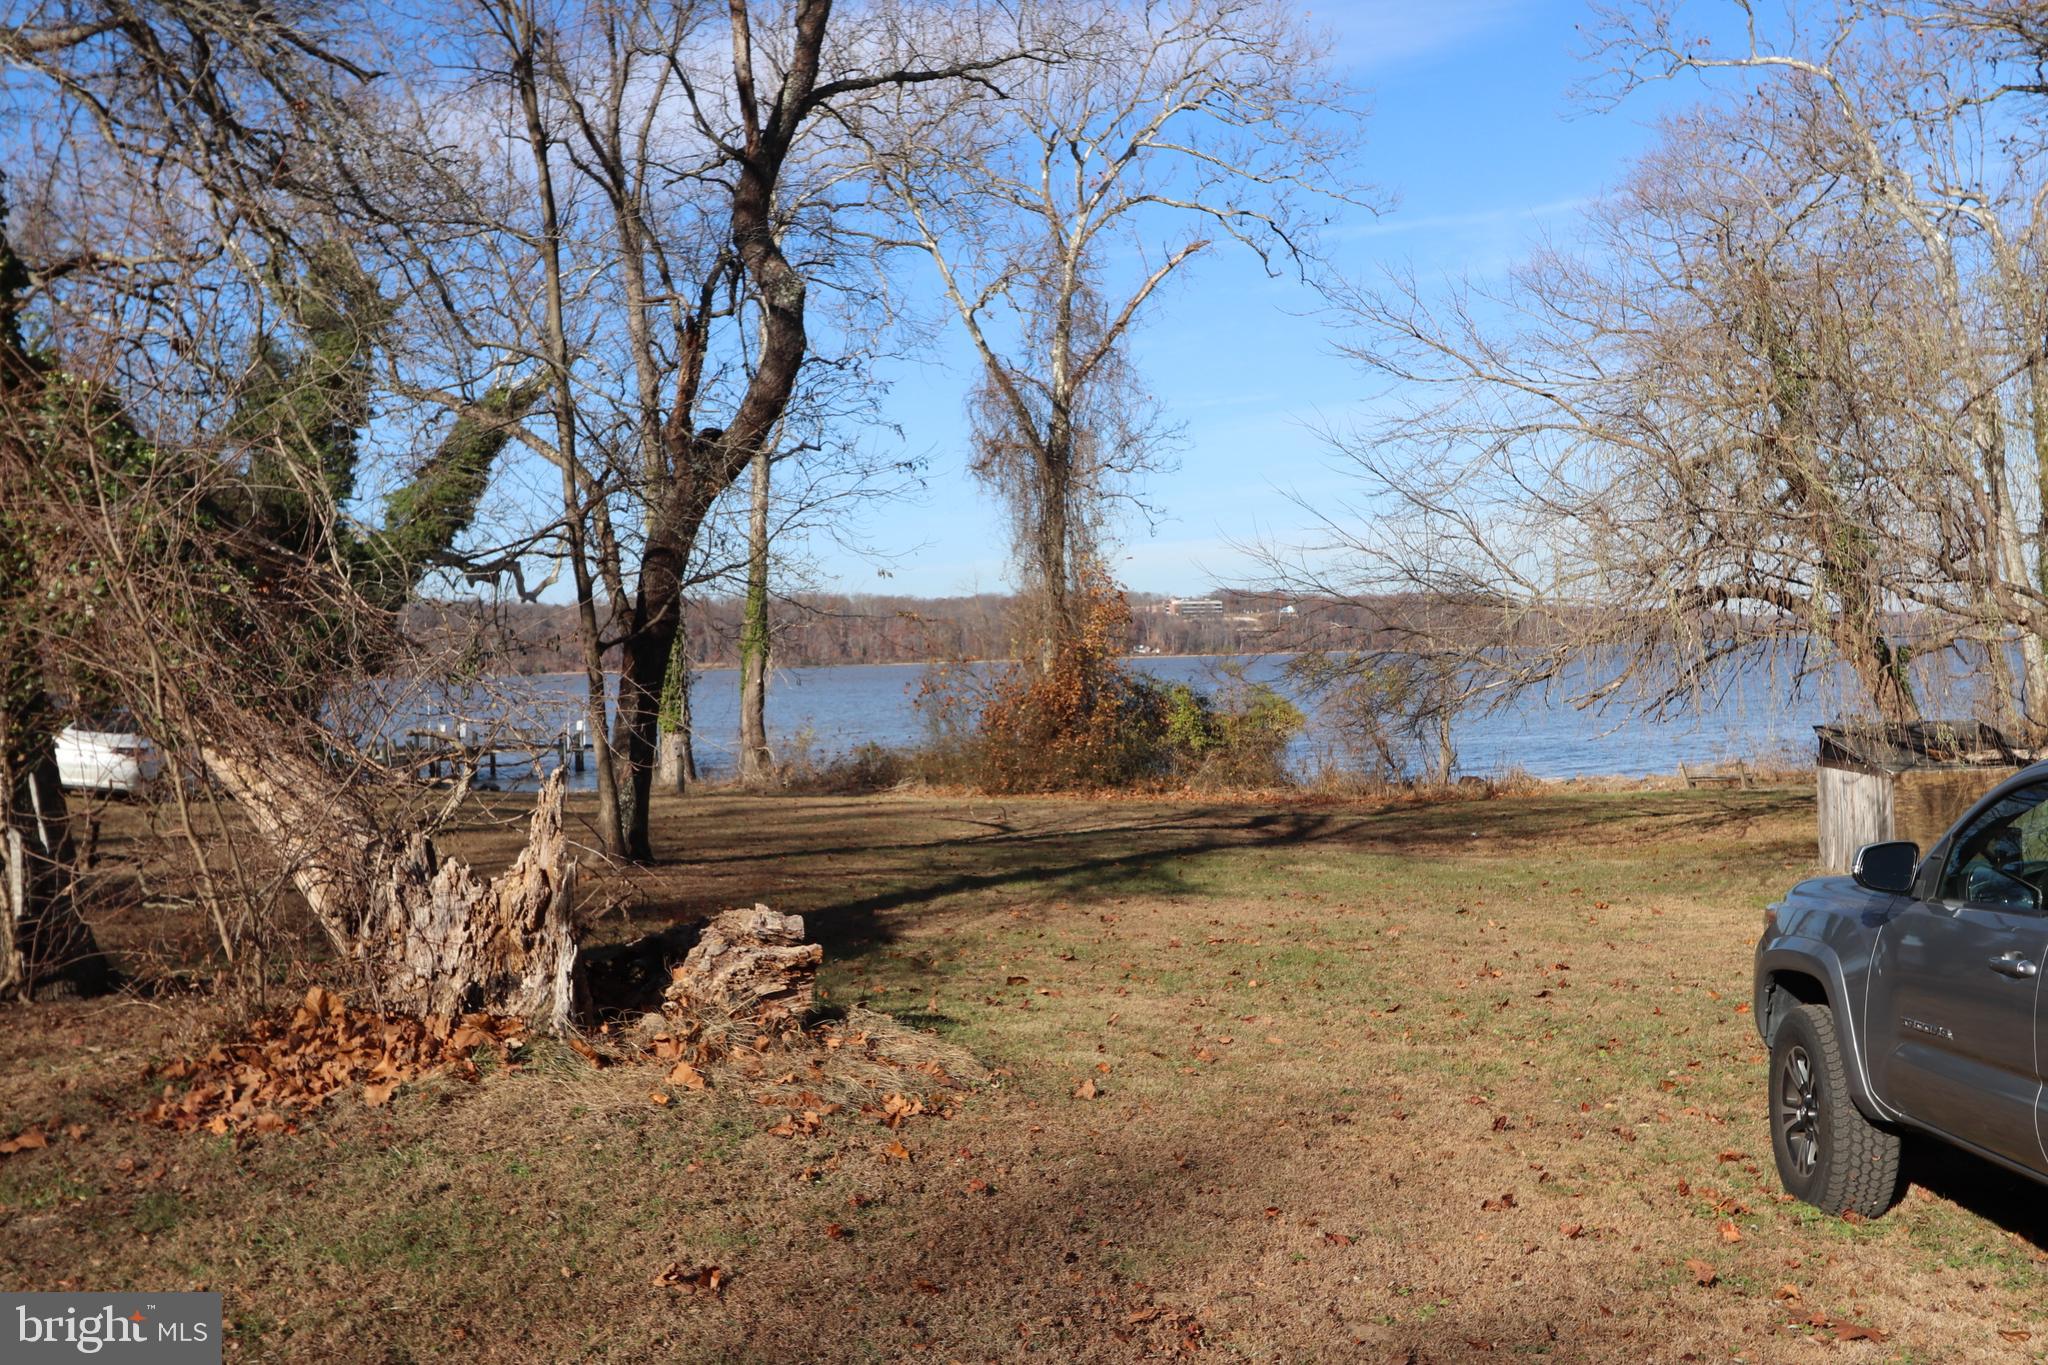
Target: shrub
(1076, 721)
(1083, 720)
(868, 767)
(1238, 739)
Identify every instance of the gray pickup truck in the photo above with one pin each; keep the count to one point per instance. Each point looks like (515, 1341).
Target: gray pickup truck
(1902, 999)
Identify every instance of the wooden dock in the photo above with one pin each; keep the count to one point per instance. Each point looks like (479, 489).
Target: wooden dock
(456, 746)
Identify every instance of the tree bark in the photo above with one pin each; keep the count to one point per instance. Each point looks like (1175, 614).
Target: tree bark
(676, 756)
(755, 759)
(43, 939)
(428, 935)
(749, 964)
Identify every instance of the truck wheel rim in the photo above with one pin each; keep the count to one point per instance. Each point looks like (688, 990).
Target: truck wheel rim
(1799, 1109)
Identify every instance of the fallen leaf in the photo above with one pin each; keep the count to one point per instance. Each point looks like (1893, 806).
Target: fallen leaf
(1336, 1239)
(682, 1073)
(1085, 1090)
(378, 1094)
(1730, 1233)
(705, 1279)
(895, 1151)
(1703, 1274)
(659, 1097)
(1505, 1202)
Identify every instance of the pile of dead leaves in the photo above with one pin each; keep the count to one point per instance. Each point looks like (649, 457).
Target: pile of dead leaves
(287, 1066)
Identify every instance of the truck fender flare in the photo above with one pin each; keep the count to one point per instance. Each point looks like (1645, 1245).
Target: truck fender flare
(1811, 957)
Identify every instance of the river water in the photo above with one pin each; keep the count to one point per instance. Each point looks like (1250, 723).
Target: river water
(1760, 713)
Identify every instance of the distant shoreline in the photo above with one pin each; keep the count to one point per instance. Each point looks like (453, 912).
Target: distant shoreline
(699, 669)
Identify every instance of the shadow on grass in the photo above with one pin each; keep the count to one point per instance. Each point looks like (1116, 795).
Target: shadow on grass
(844, 862)
(1059, 860)
(2011, 1202)
(1598, 815)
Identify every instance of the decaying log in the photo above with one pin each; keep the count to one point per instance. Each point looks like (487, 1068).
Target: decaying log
(430, 936)
(749, 964)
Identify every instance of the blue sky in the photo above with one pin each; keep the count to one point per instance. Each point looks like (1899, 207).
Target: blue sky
(1475, 137)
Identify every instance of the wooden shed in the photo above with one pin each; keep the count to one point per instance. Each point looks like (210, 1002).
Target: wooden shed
(1878, 782)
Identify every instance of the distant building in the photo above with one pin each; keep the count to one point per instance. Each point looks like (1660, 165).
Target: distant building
(1194, 606)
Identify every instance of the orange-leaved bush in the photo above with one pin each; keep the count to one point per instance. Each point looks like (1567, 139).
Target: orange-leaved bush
(1077, 719)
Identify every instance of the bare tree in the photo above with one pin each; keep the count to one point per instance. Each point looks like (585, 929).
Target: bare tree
(1775, 395)
(683, 195)
(43, 938)
(184, 89)
(1166, 126)
(1894, 105)
(182, 471)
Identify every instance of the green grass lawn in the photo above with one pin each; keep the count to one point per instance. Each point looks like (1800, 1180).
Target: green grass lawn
(1427, 1083)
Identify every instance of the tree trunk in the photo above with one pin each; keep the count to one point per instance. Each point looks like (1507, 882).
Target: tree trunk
(43, 940)
(1446, 756)
(710, 460)
(637, 726)
(1055, 568)
(675, 759)
(429, 937)
(755, 759)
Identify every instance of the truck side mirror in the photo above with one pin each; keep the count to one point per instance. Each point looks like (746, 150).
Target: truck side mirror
(1887, 866)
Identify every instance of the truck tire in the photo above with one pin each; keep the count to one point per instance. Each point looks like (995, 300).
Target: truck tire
(1828, 1154)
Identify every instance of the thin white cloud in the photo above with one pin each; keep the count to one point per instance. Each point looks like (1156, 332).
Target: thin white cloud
(1375, 34)
(1477, 220)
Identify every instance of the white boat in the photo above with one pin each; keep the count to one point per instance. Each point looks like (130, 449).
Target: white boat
(107, 759)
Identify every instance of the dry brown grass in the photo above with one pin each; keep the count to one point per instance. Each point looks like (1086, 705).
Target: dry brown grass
(1327, 1044)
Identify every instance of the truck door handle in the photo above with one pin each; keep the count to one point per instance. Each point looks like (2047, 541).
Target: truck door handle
(2013, 965)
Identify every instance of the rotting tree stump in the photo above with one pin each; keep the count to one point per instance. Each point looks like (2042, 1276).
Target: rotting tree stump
(748, 964)
(429, 936)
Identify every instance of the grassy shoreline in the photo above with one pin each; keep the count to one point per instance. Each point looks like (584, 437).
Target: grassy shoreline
(1412, 1082)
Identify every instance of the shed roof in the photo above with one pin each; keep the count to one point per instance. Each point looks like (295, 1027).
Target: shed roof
(1897, 748)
